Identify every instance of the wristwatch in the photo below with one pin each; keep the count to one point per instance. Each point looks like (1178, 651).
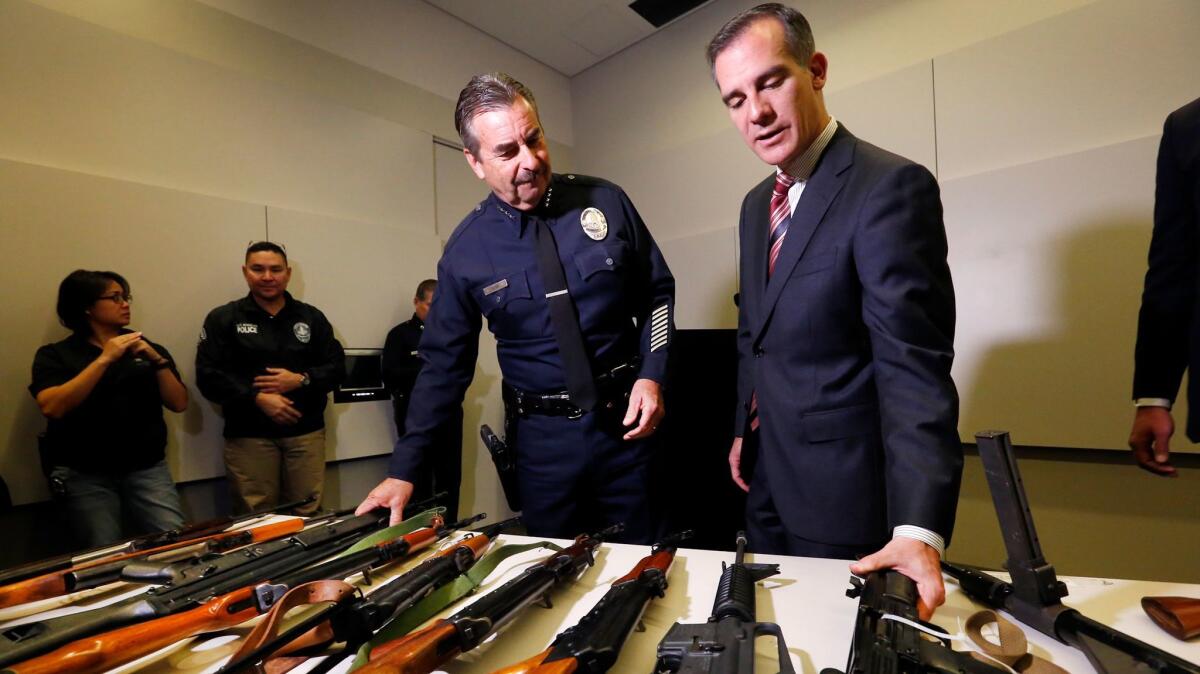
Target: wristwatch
(305, 380)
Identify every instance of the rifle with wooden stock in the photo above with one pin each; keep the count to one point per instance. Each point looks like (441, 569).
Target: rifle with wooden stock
(425, 650)
(108, 570)
(192, 583)
(593, 644)
(1035, 594)
(355, 619)
(126, 644)
(188, 532)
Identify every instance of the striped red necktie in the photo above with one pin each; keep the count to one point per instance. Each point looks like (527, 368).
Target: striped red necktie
(780, 215)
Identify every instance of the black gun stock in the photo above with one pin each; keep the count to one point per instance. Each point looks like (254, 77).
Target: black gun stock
(1035, 593)
(725, 644)
(882, 645)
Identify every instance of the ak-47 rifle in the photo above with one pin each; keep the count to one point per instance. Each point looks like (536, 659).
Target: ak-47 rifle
(1035, 593)
(108, 570)
(188, 532)
(427, 649)
(126, 644)
(593, 644)
(145, 566)
(884, 645)
(355, 619)
(192, 584)
(725, 644)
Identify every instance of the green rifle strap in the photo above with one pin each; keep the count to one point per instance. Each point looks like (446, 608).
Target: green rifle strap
(443, 597)
(408, 526)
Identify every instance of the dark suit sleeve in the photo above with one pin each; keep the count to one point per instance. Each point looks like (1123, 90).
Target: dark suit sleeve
(745, 384)
(1165, 319)
(449, 347)
(908, 308)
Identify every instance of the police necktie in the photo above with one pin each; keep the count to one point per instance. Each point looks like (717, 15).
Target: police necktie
(780, 216)
(581, 385)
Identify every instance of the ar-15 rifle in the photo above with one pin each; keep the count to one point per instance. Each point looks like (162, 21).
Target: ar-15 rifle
(1035, 593)
(594, 643)
(427, 649)
(126, 644)
(186, 533)
(725, 644)
(884, 645)
(195, 583)
(355, 619)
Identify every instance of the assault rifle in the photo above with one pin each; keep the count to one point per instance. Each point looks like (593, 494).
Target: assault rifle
(593, 644)
(193, 584)
(186, 533)
(725, 644)
(1035, 593)
(108, 570)
(884, 645)
(428, 649)
(126, 644)
(355, 619)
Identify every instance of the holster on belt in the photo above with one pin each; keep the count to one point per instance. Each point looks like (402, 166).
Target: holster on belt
(504, 456)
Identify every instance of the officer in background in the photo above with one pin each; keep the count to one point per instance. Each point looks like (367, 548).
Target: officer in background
(580, 301)
(442, 468)
(270, 361)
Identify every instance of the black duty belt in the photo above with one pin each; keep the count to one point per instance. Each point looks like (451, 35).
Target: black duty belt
(613, 386)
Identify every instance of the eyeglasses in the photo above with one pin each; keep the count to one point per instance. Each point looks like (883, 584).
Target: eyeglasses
(117, 298)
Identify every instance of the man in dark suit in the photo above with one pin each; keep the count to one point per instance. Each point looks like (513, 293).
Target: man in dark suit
(1168, 339)
(440, 469)
(845, 327)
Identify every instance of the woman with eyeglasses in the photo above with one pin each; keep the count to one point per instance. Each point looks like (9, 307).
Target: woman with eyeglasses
(102, 390)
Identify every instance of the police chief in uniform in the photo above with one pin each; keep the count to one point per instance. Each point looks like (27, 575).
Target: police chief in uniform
(270, 361)
(441, 469)
(580, 301)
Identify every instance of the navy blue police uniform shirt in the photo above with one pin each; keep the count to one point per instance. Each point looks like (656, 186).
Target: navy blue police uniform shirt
(624, 295)
(240, 341)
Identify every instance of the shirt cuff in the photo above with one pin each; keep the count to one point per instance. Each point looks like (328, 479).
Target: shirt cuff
(1153, 402)
(926, 536)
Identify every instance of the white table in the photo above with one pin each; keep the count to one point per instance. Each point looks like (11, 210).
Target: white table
(807, 599)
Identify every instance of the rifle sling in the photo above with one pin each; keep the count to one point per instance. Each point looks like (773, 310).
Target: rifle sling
(1013, 649)
(316, 592)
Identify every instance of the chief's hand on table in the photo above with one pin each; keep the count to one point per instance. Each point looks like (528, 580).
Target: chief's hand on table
(1150, 440)
(915, 559)
(645, 408)
(393, 494)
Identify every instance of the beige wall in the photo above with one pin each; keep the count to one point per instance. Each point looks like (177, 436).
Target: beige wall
(158, 137)
(1041, 121)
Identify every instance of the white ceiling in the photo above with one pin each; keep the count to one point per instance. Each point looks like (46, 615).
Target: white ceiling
(566, 35)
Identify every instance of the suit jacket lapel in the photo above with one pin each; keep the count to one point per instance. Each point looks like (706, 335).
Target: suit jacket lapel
(820, 191)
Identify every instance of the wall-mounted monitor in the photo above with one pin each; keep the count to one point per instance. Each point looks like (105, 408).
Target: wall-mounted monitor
(364, 377)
